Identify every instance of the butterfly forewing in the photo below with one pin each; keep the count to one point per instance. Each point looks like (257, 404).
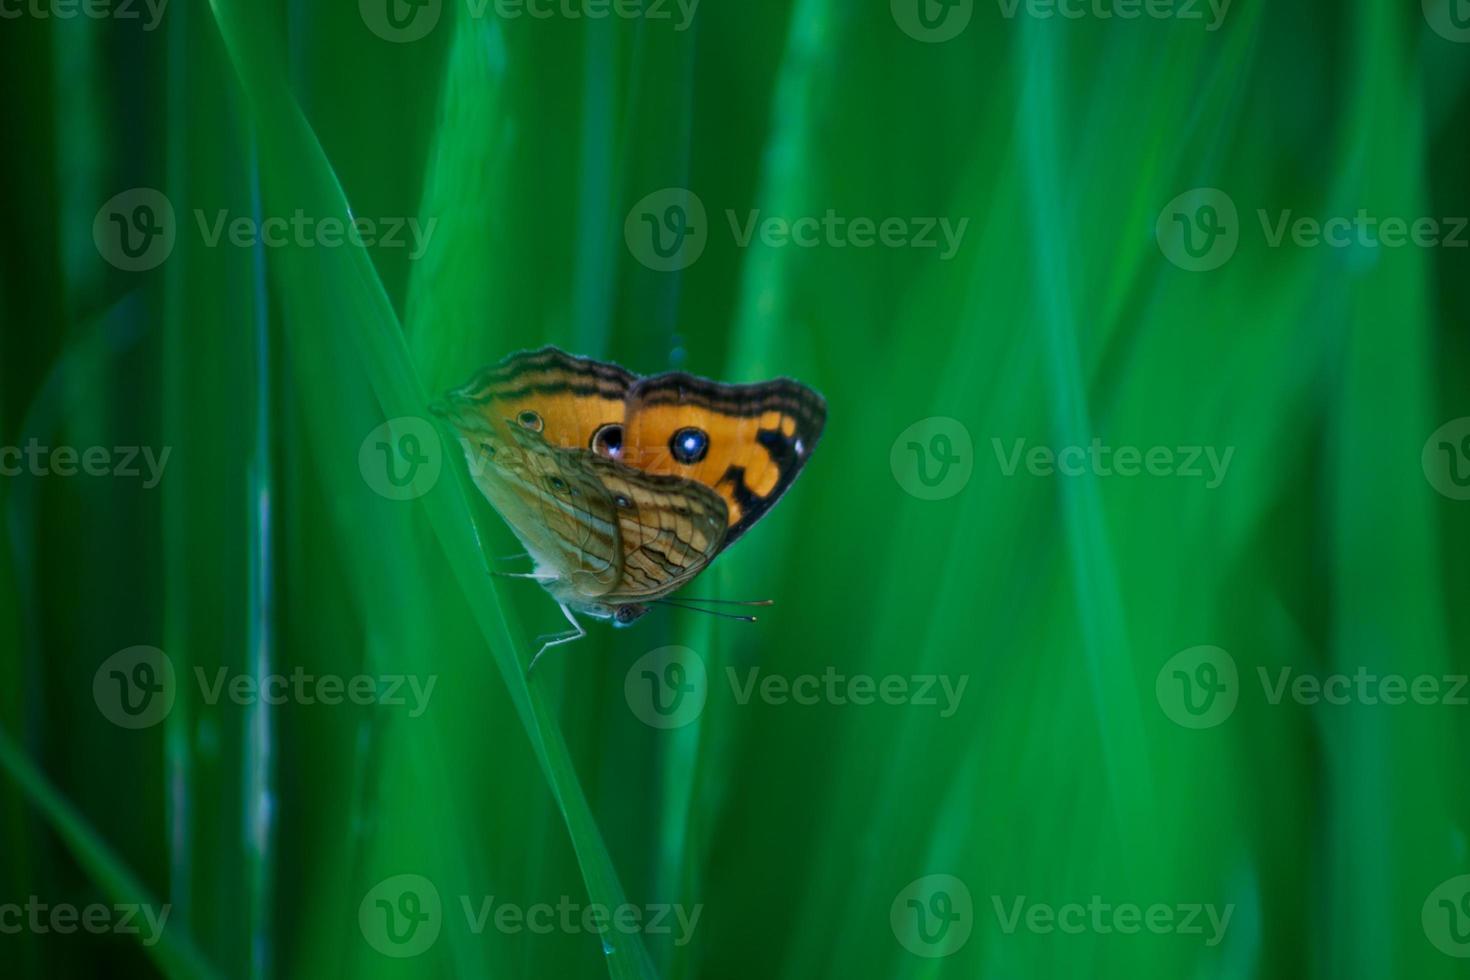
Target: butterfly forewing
(746, 442)
(565, 398)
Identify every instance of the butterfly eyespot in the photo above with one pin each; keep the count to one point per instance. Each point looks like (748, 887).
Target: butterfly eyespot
(622, 500)
(487, 449)
(558, 484)
(530, 420)
(689, 445)
(608, 440)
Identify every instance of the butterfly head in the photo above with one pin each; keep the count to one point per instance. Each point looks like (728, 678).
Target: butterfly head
(619, 613)
(629, 613)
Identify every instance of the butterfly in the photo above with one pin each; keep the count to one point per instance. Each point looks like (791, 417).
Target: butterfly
(623, 488)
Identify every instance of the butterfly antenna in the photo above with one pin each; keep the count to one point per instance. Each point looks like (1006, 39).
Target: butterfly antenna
(728, 602)
(710, 612)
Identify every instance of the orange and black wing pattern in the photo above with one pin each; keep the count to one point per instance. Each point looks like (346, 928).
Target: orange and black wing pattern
(748, 443)
(567, 399)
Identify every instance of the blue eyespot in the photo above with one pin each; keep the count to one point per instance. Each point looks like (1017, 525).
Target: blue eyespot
(608, 440)
(689, 445)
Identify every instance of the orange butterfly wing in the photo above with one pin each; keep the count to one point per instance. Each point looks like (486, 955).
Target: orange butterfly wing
(748, 443)
(569, 398)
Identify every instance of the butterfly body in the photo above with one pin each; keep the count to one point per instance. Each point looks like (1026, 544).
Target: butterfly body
(624, 488)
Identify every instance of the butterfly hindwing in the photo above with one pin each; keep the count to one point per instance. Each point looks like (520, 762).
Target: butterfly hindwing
(670, 528)
(555, 505)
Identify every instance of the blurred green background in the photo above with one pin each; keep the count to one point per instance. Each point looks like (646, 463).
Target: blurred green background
(1128, 271)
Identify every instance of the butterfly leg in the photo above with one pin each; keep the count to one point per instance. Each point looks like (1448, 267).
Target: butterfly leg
(557, 639)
